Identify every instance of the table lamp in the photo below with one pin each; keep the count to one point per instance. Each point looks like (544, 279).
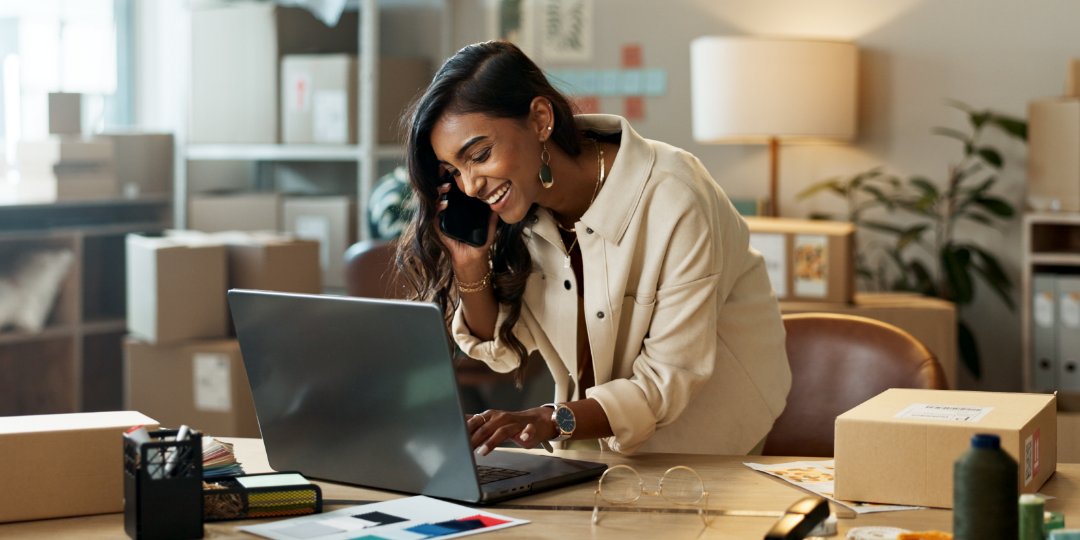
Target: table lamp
(768, 91)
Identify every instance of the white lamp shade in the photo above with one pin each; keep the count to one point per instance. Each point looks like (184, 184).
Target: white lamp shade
(748, 90)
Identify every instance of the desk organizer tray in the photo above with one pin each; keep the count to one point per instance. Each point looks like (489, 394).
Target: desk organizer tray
(224, 498)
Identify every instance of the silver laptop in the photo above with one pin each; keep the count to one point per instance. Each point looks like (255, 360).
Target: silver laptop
(362, 391)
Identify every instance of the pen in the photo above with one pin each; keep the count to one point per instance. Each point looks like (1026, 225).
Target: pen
(181, 435)
(140, 436)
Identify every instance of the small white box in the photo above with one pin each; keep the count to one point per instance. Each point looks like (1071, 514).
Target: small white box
(318, 99)
(329, 220)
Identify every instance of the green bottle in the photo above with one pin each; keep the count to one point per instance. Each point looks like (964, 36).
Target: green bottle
(1032, 526)
(985, 493)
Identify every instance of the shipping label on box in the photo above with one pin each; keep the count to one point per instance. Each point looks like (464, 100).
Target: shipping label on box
(208, 387)
(319, 99)
(900, 446)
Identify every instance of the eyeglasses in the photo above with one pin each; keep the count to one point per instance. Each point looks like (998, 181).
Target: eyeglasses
(622, 484)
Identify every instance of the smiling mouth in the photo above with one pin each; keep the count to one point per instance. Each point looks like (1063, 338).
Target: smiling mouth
(495, 197)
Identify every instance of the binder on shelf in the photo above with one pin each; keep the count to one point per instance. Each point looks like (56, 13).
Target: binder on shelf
(1068, 333)
(1043, 331)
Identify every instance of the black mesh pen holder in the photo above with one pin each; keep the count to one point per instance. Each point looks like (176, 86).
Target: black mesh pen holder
(163, 487)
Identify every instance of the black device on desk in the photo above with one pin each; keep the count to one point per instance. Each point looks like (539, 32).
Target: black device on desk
(363, 391)
(465, 219)
(800, 519)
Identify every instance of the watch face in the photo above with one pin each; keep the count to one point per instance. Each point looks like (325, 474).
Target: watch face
(564, 418)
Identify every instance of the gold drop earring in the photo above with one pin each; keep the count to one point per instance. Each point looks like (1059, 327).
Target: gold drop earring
(545, 172)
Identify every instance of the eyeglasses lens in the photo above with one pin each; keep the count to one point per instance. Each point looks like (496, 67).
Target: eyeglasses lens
(620, 485)
(682, 486)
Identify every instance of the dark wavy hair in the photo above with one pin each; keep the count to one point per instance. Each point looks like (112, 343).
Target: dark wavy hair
(495, 79)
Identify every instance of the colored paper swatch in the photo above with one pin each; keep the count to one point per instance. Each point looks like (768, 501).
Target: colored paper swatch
(380, 518)
(431, 530)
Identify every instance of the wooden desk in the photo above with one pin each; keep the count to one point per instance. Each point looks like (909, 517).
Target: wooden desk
(731, 485)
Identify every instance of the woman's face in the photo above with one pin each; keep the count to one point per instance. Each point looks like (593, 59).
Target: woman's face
(496, 160)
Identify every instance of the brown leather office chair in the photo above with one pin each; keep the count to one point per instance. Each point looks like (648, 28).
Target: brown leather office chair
(838, 362)
(369, 270)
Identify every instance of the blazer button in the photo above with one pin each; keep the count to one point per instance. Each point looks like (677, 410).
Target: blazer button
(566, 284)
(535, 219)
(600, 314)
(588, 230)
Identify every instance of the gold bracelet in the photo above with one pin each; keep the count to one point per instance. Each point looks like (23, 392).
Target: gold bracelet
(473, 287)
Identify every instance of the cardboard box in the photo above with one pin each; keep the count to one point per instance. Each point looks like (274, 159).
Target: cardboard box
(266, 261)
(60, 465)
(1054, 154)
(235, 54)
(144, 163)
(65, 113)
(329, 220)
(808, 260)
(75, 182)
(207, 387)
(64, 150)
(400, 81)
(931, 320)
(235, 212)
(234, 74)
(175, 289)
(899, 446)
(319, 99)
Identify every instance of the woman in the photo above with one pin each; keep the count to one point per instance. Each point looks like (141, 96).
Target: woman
(618, 258)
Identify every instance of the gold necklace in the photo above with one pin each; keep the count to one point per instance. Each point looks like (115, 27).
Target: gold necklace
(599, 182)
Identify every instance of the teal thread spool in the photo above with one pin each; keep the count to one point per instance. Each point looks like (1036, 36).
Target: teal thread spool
(1031, 517)
(985, 493)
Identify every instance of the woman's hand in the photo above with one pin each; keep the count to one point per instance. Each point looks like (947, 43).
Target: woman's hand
(526, 428)
(463, 255)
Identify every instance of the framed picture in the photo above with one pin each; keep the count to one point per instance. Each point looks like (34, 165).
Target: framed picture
(566, 30)
(512, 20)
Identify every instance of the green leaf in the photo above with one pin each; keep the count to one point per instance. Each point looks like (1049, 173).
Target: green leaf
(978, 118)
(830, 184)
(924, 185)
(996, 206)
(924, 283)
(957, 104)
(953, 134)
(991, 156)
(969, 350)
(978, 218)
(994, 271)
(910, 235)
(955, 262)
(821, 216)
(983, 187)
(882, 227)
(1012, 126)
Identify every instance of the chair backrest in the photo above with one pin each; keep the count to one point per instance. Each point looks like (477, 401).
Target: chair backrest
(369, 270)
(838, 362)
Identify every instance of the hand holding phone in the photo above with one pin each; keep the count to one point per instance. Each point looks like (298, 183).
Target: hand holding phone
(465, 219)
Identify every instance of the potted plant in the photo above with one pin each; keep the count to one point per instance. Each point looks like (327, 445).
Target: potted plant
(929, 233)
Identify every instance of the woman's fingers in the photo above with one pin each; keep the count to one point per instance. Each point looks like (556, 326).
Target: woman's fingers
(497, 437)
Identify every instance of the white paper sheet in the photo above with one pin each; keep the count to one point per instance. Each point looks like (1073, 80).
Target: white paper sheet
(389, 520)
(818, 477)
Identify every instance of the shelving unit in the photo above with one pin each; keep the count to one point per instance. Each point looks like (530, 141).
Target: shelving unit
(366, 154)
(75, 363)
(1051, 244)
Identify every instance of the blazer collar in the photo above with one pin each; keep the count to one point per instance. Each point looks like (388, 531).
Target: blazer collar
(614, 206)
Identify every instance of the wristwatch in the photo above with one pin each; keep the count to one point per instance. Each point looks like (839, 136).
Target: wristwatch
(564, 421)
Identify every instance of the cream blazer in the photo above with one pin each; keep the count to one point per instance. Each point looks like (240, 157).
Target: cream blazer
(686, 337)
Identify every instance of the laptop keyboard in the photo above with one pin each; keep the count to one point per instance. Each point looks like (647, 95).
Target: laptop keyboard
(494, 474)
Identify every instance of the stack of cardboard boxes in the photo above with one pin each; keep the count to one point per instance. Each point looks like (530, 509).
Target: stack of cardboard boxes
(330, 221)
(69, 167)
(181, 364)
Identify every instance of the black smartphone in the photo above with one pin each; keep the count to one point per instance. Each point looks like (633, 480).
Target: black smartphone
(465, 219)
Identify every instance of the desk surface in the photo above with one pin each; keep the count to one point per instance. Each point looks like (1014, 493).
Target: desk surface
(732, 486)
